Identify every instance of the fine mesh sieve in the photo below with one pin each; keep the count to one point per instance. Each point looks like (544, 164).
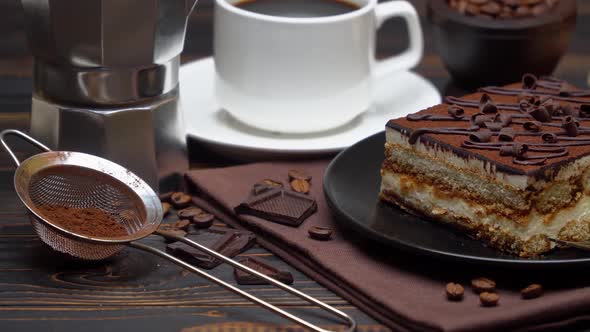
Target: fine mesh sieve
(79, 180)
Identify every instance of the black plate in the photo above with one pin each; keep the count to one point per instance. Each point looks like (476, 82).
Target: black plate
(351, 186)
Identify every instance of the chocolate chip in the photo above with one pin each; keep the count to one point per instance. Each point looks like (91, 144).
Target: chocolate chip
(534, 126)
(488, 299)
(165, 197)
(570, 126)
(506, 134)
(484, 99)
(456, 111)
(278, 205)
(454, 291)
(189, 212)
(549, 138)
(529, 81)
(180, 200)
(298, 175)
(516, 150)
(480, 285)
(531, 292)
(300, 186)
(540, 114)
(262, 266)
(166, 208)
(481, 136)
(320, 233)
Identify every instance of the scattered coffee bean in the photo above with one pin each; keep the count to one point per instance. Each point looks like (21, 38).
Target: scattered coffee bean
(180, 224)
(203, 220)
(172, 231)
(503, 9)
(320, 233)
(189, 212)
(488, 299)
(491, 8)
(479, 2)
(454, 291)
(531, 292)
(180, 200)
(299, 175)
(300, 186)
(166, 208)
(245, 278)
(480, 285)
(165, 197)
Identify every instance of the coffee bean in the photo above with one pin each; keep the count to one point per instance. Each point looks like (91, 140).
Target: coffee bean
(165, 197)
(480, 285)
(462, 6)
(531, 2)
(300, 186)
(488, 299)
(479, 2)
(166, 208)
(180, 224)
(491, 8)
(531, 292)
(299, 175)
(512, 3)
(203, 220)
(180, 200)
(189, 212)
(454, 291)
(320, 233)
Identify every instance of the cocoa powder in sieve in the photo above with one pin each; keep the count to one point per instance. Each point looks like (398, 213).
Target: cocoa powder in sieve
(86, 221)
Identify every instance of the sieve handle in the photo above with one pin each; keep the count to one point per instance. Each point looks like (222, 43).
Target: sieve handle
(351, 322)
(22, 135)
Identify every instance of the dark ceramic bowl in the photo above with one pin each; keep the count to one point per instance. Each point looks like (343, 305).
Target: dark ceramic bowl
(479, 51)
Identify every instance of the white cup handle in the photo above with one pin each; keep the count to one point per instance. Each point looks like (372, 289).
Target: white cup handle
(410, 57)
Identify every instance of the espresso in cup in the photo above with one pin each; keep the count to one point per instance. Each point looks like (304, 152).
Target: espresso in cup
(298, 8)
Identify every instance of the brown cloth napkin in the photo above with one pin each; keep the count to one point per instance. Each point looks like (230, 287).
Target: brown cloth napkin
(404, 291)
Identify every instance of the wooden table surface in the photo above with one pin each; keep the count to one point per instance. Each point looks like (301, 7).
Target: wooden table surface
(138, 292)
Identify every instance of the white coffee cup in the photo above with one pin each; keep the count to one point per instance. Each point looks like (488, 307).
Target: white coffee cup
(302, 75)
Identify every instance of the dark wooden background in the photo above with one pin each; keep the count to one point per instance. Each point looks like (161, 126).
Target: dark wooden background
(137, 292)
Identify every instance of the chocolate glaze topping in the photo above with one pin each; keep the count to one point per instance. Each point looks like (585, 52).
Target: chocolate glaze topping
(525, 125)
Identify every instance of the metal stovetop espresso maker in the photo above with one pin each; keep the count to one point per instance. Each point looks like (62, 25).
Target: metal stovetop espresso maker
(106, 81)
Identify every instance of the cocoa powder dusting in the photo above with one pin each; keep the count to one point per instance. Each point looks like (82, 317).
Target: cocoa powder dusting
(87, 221)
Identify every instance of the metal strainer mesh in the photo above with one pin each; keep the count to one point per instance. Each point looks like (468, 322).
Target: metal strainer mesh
(77, 187)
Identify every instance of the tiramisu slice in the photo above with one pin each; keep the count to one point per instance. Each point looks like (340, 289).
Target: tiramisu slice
(509, 165)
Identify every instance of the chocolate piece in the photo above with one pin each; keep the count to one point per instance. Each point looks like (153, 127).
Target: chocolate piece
(506, 135)
(488, 299)
(231, 243)
(540, 114)
(189, 212)
(320, 233)
(180, 200)
(456, 111)
(454, 291)
(298, 175)
(245, 278)
(278, 205)
(480, 285)
(534, 126)
(531, 292)
(300, 186)
(481, 136)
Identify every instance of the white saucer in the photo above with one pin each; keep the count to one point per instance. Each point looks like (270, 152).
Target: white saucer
(395, 96)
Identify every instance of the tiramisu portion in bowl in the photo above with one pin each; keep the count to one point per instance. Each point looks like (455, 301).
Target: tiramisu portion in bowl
(508, 165)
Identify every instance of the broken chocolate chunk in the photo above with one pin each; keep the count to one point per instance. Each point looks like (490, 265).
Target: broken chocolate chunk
(231, 243)
(245, 278)
(278, 205)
